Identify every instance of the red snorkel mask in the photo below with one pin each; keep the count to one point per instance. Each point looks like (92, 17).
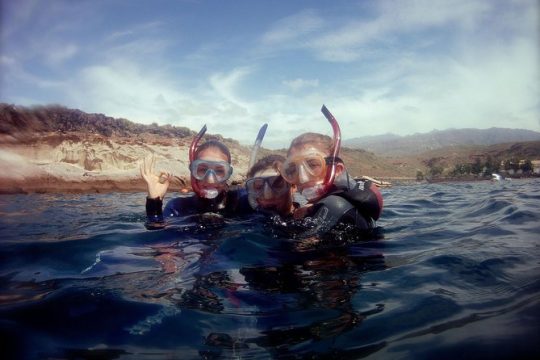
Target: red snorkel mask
(291, 173)
(192, 149)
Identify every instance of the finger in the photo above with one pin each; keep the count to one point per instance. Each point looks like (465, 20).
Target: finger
(146, 163)
(150, 168)
(162, 178)
(141, 168)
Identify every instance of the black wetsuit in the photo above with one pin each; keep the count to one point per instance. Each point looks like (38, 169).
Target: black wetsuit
(349, 204)
(231, 203)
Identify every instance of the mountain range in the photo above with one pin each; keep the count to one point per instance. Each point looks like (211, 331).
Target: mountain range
(395, 145)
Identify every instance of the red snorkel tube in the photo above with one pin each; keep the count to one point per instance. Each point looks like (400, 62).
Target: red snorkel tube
(192, 149)
(331, 171)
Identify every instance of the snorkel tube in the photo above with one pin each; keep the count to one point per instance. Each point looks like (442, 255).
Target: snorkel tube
(257, 145)
(192, 149)
(331, 170)
(260, 136)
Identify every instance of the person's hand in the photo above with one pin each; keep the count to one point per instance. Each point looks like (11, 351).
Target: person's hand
(157, 184)
(302, 212)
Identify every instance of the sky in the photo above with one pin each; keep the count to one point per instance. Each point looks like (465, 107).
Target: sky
(402, 67)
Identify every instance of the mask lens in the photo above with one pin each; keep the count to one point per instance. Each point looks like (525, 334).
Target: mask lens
(312, 165)
(289, 171)
(201, 169)
(276, 183)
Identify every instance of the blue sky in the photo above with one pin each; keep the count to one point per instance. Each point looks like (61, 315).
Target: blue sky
(380, 66)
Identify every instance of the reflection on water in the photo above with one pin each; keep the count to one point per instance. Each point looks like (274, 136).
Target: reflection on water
(81, 278)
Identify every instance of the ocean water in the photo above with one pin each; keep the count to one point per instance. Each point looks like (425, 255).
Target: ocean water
(455, 275)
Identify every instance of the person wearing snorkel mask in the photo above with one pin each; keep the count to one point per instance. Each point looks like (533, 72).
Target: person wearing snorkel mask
(267, 191)
(210, 168)
(313, 166)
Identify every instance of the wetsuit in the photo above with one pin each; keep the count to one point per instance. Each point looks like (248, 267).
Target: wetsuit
(356, 205)
(231, 203)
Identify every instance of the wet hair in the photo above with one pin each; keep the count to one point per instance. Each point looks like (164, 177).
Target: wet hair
(319, 141)
(266, 162)
(214, 144)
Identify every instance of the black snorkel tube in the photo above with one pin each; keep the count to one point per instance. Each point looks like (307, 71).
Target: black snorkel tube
(192, 149)
(331, 170)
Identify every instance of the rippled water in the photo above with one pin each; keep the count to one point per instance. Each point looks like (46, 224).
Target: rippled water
(455, 276)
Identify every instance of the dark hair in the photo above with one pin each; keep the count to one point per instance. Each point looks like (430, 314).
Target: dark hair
(214, 144)
(266, 162)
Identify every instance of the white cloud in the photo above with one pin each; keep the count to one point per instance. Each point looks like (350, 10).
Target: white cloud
(225, 84)
(298, 84)
(292, 27)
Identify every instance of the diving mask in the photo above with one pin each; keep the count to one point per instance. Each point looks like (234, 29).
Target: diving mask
(211, 171)
(267, 186)
(305, 167)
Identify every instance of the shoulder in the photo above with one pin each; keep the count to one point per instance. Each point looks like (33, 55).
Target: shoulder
(366, 197)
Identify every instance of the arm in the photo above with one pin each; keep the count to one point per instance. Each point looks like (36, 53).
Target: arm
(367, 198)
(157, 188)
(325, 215)
(335, 212)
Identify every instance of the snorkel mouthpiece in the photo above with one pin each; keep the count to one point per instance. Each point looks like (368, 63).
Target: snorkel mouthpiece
(209, 193)
(202, 193)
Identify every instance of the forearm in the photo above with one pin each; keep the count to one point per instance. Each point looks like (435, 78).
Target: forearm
(154, 213)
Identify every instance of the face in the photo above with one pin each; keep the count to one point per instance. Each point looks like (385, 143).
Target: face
(305, 166)
(214, 169)
(275, 196)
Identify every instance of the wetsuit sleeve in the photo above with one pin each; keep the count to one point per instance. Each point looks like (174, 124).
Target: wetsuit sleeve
(334, 211)
(154, 213)
(368, 200)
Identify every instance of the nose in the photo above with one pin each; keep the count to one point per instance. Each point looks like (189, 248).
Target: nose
(302, 175)
(267, 191)
(210, 177)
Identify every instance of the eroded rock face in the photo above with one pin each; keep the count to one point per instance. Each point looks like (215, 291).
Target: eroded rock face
(92, 157)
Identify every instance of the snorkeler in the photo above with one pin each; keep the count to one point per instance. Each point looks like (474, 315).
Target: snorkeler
(210, 168)
(313, 166)
(267, 191)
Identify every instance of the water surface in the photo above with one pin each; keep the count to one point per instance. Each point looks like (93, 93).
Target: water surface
(456, 275)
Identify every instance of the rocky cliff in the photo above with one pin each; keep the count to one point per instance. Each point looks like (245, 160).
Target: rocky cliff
(57, 149)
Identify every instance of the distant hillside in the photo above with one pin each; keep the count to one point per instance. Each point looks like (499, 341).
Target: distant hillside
(394, 145)
(448, 157)
(467, 154)
(55, 118)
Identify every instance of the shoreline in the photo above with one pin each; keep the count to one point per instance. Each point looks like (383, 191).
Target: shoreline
(56, 186)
